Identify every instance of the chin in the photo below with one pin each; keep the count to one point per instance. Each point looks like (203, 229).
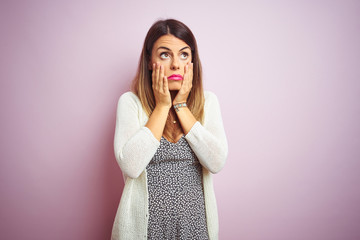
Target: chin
(174, 85)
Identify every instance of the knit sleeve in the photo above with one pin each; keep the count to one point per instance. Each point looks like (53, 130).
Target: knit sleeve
(208, 141)
(134, 145)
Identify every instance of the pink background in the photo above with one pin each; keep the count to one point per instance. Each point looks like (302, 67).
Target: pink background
(287, 76)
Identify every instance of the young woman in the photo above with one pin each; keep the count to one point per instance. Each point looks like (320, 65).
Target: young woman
(169, 139)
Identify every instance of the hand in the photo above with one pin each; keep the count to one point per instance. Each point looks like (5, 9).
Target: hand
(160, 86)
(186, 86)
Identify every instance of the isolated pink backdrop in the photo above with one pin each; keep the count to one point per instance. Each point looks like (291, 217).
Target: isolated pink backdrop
(286, 74)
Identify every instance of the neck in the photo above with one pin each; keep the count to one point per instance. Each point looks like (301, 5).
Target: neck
(173, 94)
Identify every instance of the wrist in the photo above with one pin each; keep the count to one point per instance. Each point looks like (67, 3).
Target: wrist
(179, 105)
(178, 100)
(162, 107)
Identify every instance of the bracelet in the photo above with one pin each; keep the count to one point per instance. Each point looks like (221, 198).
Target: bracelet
(179, 105)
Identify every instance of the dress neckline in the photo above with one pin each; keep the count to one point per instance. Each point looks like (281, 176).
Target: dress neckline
(182, 136)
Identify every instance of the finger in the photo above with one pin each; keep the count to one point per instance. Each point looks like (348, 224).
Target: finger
(161, 78)
(185, 73)
(191, 72)
(157, 75)
(153, 75)
(190, 67)
(186, 68)
(166, 86)
(186, 78)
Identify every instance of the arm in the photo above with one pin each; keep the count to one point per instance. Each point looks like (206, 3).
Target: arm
(158, 117)
(208, 141)
(134, 146)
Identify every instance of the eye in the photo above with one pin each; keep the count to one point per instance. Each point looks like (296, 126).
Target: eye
(184, 55)
(164, 55)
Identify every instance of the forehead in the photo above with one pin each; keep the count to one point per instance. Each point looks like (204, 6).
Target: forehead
(171, 42)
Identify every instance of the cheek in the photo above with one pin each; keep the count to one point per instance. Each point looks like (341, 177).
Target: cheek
(184, 65)
(166, 68)
(187, 62)
(154, 59)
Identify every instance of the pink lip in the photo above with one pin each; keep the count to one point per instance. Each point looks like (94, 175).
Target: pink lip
(176, 77)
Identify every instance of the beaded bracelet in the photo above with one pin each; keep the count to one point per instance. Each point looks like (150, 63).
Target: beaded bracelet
(179, 105)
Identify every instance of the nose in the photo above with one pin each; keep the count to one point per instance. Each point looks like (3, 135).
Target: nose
(175, 64)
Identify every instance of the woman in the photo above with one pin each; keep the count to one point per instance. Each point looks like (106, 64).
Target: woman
(169, 138)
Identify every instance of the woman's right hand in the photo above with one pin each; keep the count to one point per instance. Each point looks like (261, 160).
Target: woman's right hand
(160, 86)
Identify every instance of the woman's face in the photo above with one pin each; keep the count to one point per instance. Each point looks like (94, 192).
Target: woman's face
(173, 53)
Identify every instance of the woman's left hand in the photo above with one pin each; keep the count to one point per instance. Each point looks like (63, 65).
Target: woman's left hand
(186, 86)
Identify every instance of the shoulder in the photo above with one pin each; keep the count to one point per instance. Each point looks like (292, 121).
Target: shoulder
(210, 98)
(129, 98)
(209, 94)
(128, 101)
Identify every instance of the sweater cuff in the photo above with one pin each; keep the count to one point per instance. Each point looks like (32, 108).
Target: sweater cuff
(151, 136)
(194, 131)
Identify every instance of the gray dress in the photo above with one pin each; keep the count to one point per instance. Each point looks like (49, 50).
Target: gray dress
(176, 196)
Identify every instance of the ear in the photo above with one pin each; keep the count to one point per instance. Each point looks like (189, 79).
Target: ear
(149, 66)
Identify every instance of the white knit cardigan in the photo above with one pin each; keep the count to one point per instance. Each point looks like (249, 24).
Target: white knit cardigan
(135, 146)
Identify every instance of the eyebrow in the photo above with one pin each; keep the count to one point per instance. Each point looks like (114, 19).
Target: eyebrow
(170, 49)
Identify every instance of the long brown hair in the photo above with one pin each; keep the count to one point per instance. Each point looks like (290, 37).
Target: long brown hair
(142, 83)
